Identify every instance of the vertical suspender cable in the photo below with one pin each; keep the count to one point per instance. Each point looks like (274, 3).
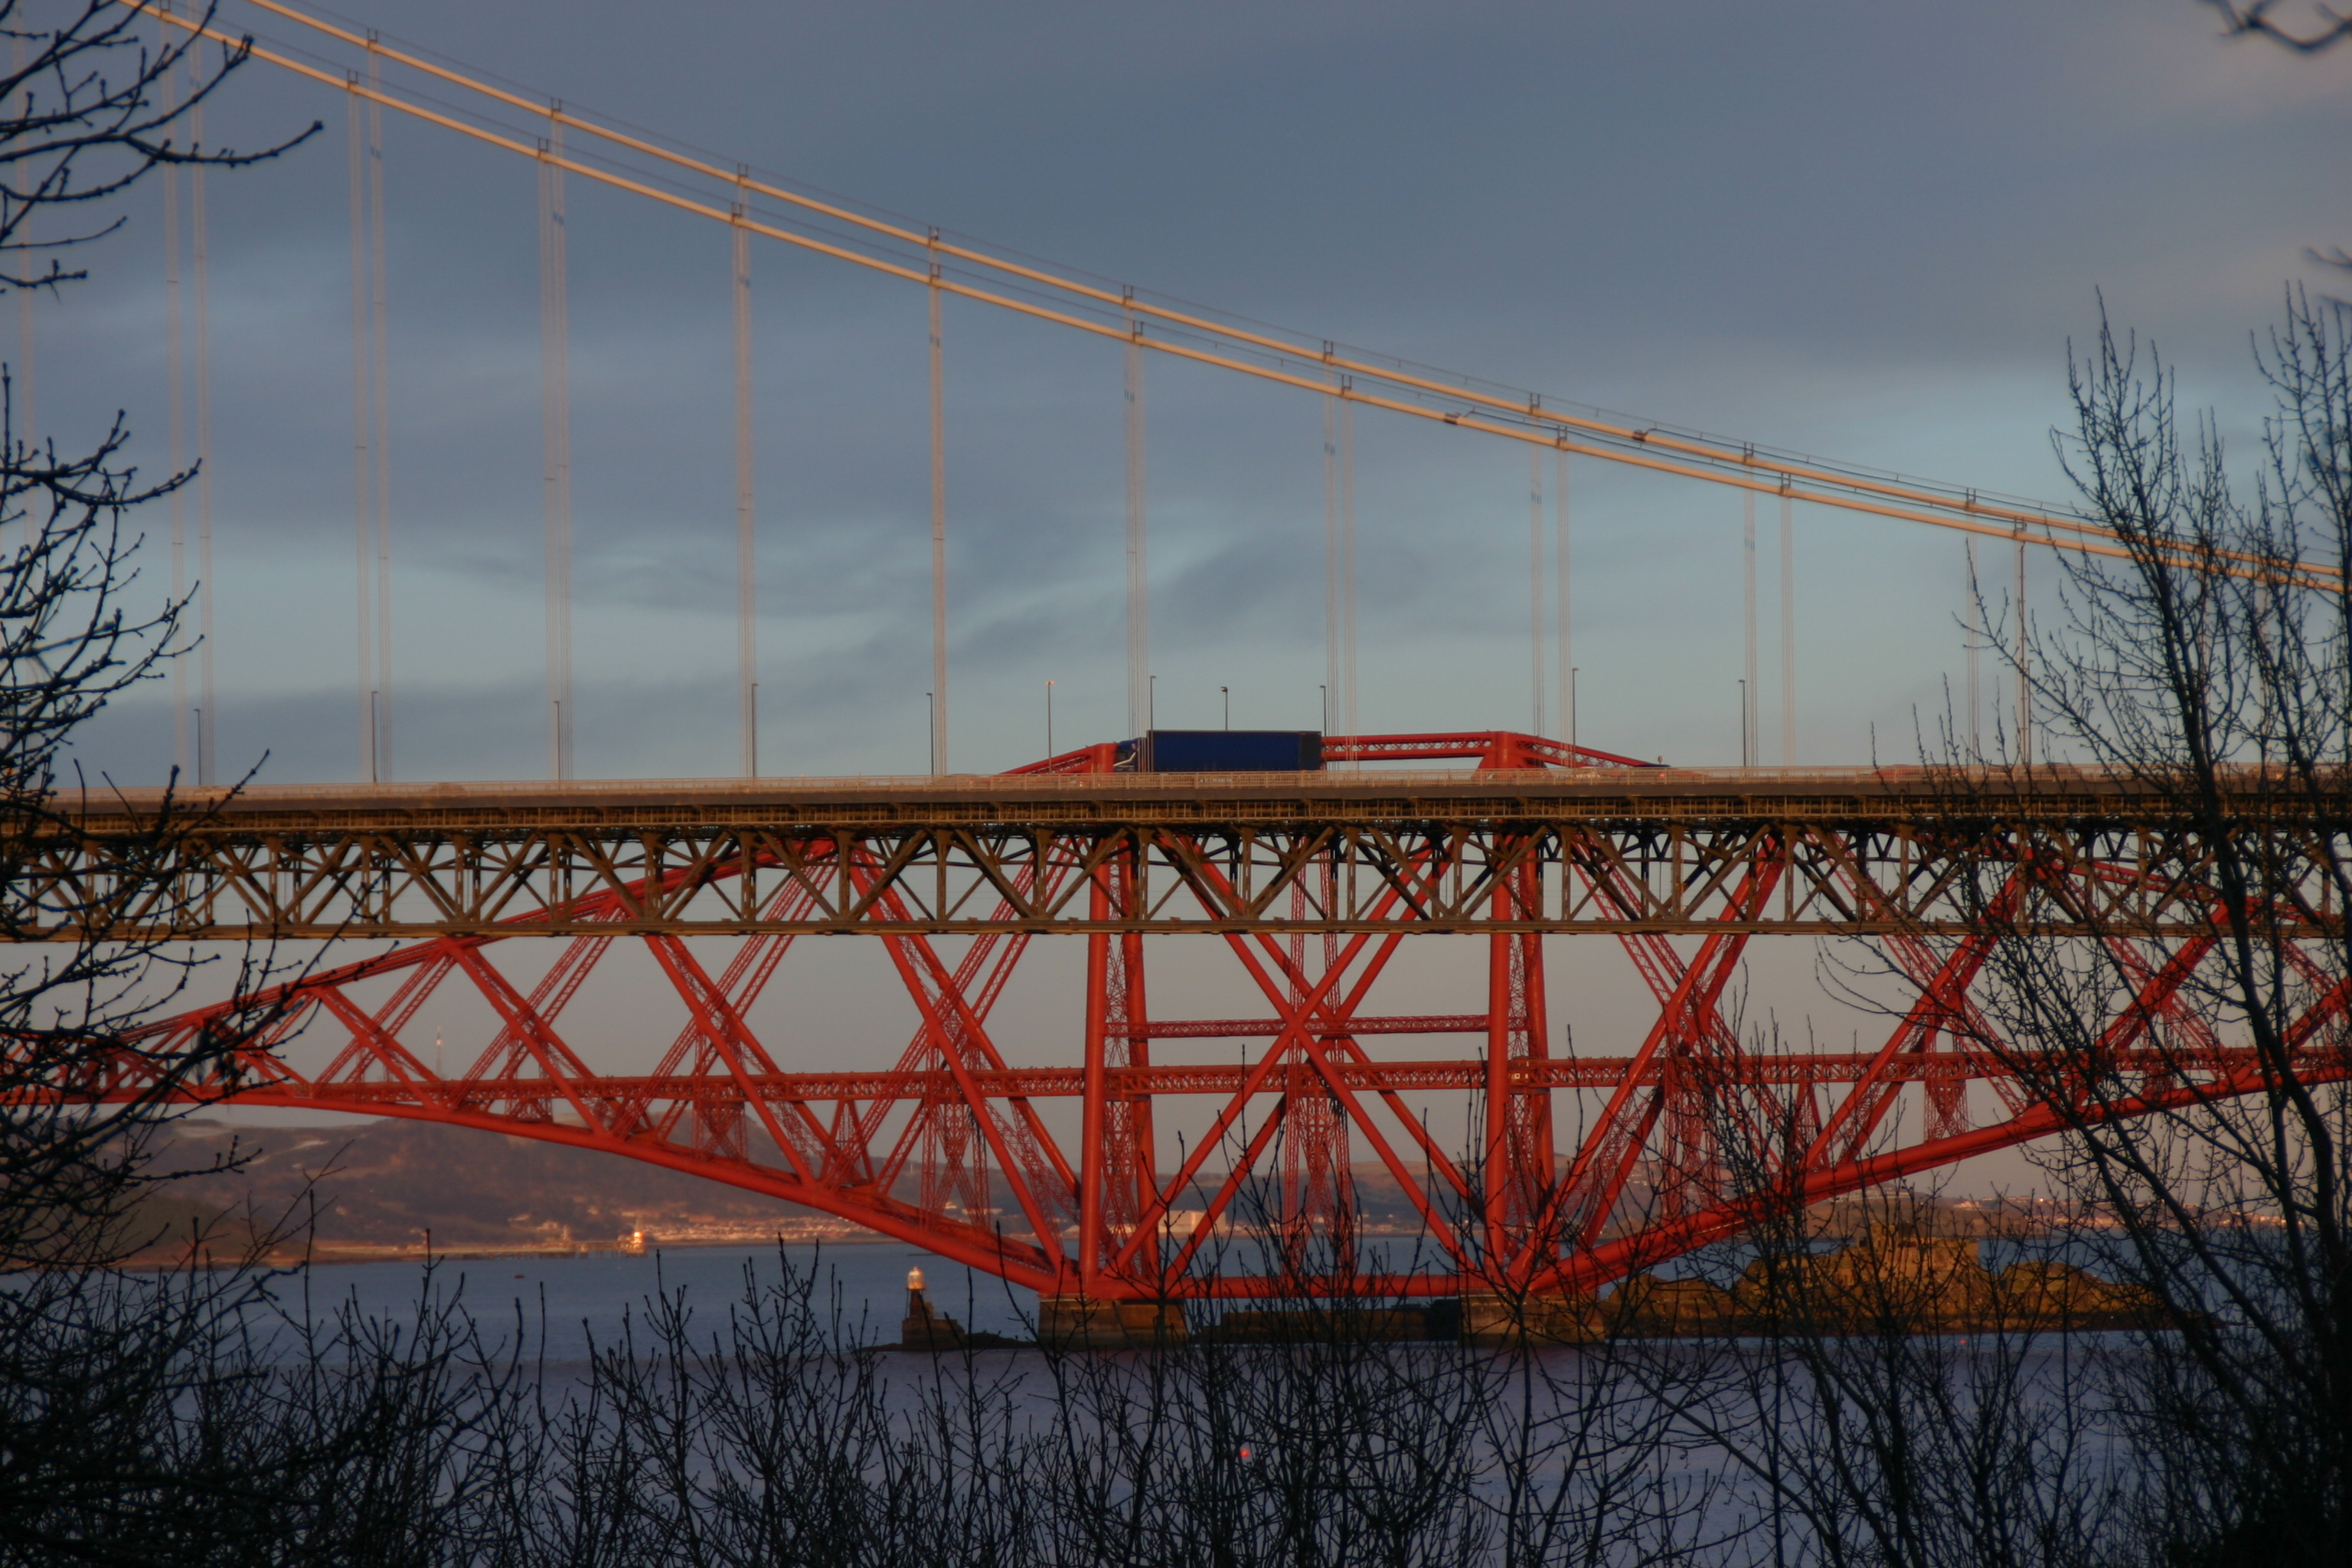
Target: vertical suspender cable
(1334, 691)
(2024, 666)
(381, 719)
(747, 625)
(175, 370)
(555, 399)
(206, 761)
(1974, 624)
(1536, 585)
(1567, 668)
(939, 535)
(1348, 562)
(1788, 632)
(1750, 740)
(363, 486)
(1138, 541)
(25, 421)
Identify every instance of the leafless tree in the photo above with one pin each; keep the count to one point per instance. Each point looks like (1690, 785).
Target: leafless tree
(2201, 1079)
(91, 1360)
(79, 123)
(1885, 1397)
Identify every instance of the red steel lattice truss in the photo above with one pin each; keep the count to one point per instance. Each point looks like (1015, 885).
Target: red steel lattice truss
(948, 1149)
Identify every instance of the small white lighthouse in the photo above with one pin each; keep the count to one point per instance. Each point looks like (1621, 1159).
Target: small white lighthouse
(924, 1329)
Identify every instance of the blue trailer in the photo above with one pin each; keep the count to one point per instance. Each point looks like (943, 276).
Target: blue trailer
(1228, 751)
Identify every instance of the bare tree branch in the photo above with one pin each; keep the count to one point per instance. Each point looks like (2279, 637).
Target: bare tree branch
(2327, 28)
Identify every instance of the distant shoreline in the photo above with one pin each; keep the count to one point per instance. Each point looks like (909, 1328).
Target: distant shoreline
(363, 1252)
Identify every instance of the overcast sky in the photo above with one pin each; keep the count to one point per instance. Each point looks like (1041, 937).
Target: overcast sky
(1867, 231)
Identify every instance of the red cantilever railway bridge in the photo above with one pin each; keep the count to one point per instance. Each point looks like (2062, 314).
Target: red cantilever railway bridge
(1311, 881)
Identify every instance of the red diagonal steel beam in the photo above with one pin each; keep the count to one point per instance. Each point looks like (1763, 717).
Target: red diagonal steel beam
(1597, 1177)
(1303, 1030)
(741, 1055)
(563, 1070)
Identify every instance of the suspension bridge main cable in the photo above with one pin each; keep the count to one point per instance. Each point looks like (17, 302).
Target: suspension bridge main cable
(1285, 362)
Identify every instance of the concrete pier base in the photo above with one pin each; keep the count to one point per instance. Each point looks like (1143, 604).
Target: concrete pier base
(1493, 1320)
(1077, 1323)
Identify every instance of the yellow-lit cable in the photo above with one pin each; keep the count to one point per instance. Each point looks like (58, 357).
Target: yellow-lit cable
(1739, 467)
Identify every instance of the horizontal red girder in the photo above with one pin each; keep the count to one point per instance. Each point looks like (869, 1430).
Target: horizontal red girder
(1489, 748)
(1252, 1029)
(1225, 1081)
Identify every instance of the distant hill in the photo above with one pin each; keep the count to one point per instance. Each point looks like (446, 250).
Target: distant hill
(387, 1185)
(381, 1188)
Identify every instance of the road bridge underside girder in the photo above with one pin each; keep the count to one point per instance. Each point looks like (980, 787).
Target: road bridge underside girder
(948, 1149)
(1344, 858)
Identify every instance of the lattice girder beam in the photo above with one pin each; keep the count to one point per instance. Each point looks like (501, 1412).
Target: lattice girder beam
(1864, 852)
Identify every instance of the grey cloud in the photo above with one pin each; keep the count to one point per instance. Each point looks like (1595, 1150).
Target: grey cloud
(1862, 231)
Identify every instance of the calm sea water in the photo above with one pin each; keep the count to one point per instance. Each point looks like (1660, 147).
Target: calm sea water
(563, 1305)
(575, 1301)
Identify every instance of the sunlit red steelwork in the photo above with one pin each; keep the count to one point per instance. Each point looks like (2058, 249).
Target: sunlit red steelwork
(948, 1148)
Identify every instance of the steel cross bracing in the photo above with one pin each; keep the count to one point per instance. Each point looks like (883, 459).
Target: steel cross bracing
(1579, 1167)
